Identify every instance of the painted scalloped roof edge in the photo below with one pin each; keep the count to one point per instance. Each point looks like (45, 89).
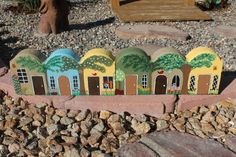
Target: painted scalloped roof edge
(199, 50)
(133, 50)
(97, 51)
(163, 51)
(34, 53)
(65, 52)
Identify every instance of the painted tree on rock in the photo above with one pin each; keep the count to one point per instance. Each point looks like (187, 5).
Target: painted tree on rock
(89, 63)
(16, 84)
(169, 62)
(137, 63)
(34, 64)
(69, 63)
(202, 60)
(120, 76)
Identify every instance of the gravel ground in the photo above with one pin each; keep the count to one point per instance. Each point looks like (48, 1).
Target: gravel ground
(93, 25)
(41, 130)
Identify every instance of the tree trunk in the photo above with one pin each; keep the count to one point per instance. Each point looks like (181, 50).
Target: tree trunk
(186, 69)
(82, 88)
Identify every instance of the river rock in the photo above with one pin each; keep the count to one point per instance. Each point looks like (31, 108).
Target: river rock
(104, 114)
(66, 121)
(13, 148)
(141, 128)
(82, 115)
(70, 140)
(72, 153)
(84, 152)
(161, 124)
(52, 128)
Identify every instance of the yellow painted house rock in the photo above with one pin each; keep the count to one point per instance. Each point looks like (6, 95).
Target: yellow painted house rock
(204, 79)
(98, 72)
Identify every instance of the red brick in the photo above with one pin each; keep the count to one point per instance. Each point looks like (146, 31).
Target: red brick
(153, 105)
(188, 101)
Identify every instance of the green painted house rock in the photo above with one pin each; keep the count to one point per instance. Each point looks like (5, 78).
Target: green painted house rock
(133, 72)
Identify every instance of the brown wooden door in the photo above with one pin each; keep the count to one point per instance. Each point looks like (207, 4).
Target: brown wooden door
(131, 85)
(64, 85)
(161, 83)
(203, 84)
(38, 85)
(93, 84)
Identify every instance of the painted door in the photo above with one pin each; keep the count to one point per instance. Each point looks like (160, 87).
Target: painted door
(161, 83)
(38, 85)
(131, 85)
(203, 84)
(93, 84)
(64, 85)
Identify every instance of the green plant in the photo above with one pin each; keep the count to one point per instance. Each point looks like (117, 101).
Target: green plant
(210, 4)
(34, 64)
(89, 63)
(28, 5)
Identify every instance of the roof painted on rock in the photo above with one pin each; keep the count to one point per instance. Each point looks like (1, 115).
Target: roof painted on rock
(64, 52)
(129, 51)
(30, 52)
(98, 52)
(163, 51)
(199, 50)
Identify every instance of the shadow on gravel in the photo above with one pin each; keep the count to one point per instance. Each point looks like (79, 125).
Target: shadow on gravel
(6, 52)
(226, 79)
(90, 25)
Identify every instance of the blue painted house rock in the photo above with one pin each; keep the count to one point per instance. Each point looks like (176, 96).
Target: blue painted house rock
(63, 77)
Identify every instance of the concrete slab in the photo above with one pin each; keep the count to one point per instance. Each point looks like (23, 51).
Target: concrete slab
(149, 31)
(175, 144)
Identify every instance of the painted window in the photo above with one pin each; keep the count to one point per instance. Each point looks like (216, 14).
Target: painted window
(144, 81)
(52, 82)
(215, 82)
(175, 81)
(22, 75)
(192, 83)
(108, 82)
(75, 82)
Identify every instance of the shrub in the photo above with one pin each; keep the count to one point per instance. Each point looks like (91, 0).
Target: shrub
(210, 4)
(28, 6)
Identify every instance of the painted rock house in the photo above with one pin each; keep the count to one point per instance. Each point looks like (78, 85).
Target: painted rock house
(131, 72)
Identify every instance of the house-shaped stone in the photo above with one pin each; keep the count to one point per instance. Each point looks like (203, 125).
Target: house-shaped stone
(206, 69)
(29, 75)
(133, 72)
(63, 72)
(98, 70)
(167, 76)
